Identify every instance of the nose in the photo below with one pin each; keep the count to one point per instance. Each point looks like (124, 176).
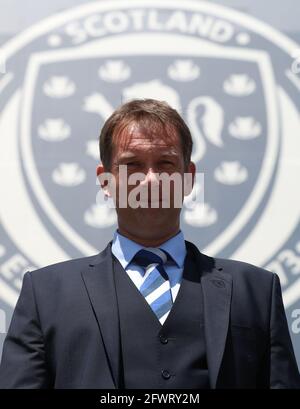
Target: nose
(151, 177)
(151, 184)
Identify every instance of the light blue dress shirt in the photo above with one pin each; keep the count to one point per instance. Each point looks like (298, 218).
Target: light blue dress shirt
(125, 249)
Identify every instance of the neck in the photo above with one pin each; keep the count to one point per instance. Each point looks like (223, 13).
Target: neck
(149, 241)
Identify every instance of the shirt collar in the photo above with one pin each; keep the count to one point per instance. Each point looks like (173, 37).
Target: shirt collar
(125, 249)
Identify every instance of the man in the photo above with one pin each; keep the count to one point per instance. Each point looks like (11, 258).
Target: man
(150, 310)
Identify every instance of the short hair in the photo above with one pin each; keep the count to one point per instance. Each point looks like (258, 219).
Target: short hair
(152, 117)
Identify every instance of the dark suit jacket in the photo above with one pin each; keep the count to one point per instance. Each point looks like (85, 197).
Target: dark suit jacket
(64, 331)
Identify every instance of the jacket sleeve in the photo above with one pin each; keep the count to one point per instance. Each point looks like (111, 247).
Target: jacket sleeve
(23, 358)
(283, 366)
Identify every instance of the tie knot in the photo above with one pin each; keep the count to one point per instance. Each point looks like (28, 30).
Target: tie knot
(150, 256)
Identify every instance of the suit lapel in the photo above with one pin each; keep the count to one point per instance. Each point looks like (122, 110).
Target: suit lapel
(99, 283)
(217, 288)
(217, 298)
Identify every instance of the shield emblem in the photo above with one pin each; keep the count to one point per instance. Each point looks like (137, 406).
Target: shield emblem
(232, 116)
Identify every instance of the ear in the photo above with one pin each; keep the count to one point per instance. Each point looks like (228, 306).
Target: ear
(103, 181)
(189, 183)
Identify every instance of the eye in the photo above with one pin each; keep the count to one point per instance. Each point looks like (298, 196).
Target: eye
(167, 162)
(132, 163)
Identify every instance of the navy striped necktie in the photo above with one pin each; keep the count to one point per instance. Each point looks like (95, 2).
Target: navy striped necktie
(156, 286)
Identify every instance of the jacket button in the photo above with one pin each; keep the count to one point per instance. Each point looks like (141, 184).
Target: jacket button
(165, 374)
(163, 340)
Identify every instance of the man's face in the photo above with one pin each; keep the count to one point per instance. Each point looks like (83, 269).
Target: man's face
(149, 204)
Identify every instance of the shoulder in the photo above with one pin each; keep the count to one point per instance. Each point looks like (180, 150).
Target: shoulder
(64, 271)
(243, 270)
(240, 271)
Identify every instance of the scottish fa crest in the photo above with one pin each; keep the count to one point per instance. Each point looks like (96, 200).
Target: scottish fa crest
(229, 76)
(61, 107)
